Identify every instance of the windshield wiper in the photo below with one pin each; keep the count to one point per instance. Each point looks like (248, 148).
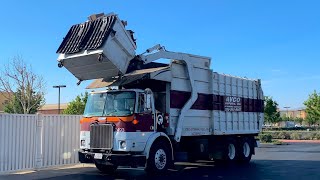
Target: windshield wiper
(109, 113)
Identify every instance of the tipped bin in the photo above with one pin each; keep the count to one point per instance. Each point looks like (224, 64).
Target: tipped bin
(99, 48)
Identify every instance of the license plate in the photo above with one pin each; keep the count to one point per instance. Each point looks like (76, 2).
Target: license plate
(98, 156)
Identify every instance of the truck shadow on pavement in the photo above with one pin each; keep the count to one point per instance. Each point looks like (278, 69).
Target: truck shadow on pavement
(256, 170)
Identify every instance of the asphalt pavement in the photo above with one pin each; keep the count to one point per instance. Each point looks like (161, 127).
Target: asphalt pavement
(285, 162)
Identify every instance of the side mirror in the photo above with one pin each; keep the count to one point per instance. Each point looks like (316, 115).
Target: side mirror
(148, 104)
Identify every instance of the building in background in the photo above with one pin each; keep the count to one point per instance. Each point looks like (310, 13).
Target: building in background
(294, 113)
(52, 108)
(290, 115)
(3, 100)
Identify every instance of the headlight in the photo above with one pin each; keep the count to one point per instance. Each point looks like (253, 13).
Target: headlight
(123, 145)
(83, 143)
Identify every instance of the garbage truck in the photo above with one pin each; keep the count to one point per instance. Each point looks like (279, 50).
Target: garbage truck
(144, 113)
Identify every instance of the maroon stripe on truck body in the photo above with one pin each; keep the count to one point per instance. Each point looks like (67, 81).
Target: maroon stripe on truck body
(212, 102)
(144, 125)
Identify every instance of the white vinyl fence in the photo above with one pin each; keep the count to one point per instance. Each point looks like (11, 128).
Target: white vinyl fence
(38, 141)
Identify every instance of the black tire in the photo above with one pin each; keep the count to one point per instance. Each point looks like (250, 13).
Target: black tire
(160, 158)
(230, 153)
(106, 169)
(245, 150)
(192, 158)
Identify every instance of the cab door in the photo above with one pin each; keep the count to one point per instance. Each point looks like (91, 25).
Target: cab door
(145, 114)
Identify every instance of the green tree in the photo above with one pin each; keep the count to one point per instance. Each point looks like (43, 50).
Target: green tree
(15, 106)
(313, 108)
(77, 105)
(284, 117)
(271, 113)
(298, 120)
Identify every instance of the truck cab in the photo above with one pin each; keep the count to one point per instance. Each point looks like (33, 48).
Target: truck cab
(116, 127)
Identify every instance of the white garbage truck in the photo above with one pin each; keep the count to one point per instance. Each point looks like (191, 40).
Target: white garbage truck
(150, 114)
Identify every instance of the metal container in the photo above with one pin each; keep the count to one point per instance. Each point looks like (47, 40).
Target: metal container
(99, 48)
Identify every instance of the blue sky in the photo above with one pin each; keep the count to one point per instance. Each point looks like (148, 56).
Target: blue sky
(277, 41)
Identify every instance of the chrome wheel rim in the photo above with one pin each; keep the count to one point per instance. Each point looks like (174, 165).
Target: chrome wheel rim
(232, 151)
(246, 149)
(160, 159)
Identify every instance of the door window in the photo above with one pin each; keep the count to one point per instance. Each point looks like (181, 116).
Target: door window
(141, 106)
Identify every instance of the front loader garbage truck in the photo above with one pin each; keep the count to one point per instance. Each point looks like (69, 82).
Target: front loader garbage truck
(152, 114)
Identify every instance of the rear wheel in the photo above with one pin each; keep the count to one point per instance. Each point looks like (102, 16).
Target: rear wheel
(230, 153)
(226, 152)
(245, 150)
(107, 169)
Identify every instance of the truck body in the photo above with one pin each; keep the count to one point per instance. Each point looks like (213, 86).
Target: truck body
(153, 114)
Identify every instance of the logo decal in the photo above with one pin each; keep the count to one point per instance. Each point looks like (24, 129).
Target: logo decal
(233, 103)
(160, 119)
(120, 129)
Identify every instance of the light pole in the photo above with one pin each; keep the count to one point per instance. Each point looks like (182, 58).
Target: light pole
(287, 107)
(59, 87)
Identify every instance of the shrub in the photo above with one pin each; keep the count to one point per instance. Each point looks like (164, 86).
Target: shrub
(283, 135)
(275, 134)
(307, 136)
(265, 138)
(296, 136)
(317, 136)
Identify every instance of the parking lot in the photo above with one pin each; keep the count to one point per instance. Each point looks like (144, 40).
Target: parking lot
(293, 161)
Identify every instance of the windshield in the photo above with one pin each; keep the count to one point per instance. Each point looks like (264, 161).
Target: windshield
(110, 104)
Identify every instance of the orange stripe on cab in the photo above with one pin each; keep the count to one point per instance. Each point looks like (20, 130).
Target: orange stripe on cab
(107, 119)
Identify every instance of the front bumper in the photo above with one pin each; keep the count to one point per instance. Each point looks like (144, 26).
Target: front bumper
(114, 159)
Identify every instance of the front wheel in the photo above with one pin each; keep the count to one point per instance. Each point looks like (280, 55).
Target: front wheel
(159, 158)
(107, 169)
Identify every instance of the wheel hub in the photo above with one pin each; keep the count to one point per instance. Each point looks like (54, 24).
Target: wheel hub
(160, 159)
(246, 149)
(232, 151)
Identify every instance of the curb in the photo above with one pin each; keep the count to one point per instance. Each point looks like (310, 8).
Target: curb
(300, 141)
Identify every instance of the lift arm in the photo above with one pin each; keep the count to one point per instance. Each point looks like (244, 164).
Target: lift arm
(190, 61)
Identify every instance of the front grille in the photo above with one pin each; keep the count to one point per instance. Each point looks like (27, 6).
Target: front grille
(101, 136)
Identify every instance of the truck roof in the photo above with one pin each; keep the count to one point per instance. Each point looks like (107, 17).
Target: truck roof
(116, 90)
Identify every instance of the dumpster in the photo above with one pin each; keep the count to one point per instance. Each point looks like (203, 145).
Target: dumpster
(98, 48)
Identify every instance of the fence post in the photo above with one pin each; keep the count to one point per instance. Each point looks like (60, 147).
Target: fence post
(38, 140)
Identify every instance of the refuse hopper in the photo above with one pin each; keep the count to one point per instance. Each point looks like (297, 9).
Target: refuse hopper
(98, 48)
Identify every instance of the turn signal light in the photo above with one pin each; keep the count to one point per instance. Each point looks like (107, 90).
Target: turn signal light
(135, 122)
